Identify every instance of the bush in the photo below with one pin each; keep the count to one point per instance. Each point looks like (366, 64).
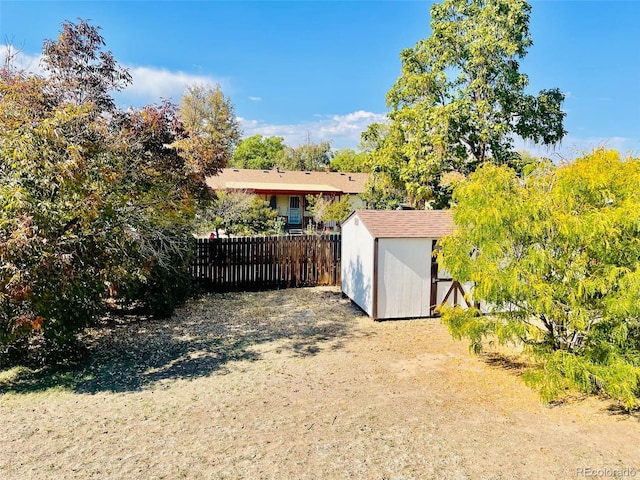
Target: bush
(556, 254)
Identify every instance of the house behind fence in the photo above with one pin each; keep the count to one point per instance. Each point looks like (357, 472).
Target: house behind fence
(254, 263)
(287, 192)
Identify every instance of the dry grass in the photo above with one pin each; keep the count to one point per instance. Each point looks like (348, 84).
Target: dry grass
(295, 384)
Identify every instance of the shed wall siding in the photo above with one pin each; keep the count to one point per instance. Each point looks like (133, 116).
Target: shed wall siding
(404, 277)
(357, 264)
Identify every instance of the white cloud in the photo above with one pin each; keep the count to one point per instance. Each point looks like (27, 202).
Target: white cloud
(255, 99)
(343, 131)
(573, 147)
(21, 60)
(151, 84)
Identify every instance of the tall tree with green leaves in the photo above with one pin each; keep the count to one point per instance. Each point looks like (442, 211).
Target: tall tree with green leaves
(258, 152)
(556, 257)
(329, 209)
(240, 214)
(461, 98)
(212, 129)
(348, 160)
(385, 188)
(373, 137)
(307, 157)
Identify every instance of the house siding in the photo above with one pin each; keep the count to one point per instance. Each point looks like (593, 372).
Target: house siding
(282, 203)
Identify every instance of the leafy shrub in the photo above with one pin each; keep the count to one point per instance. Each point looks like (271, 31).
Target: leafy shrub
(557, 256)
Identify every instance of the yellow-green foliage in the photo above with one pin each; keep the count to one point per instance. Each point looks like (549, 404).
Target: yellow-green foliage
(240, 214)
(329, 210)
(556, 254)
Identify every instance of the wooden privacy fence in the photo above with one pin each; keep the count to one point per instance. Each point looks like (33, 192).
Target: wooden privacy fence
(253, 263)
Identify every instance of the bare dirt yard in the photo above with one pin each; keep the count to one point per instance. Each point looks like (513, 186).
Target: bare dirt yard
(297, 384)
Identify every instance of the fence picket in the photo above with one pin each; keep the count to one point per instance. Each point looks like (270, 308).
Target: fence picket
(225, 264)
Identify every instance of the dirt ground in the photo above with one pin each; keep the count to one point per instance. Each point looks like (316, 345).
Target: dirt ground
(297, 384)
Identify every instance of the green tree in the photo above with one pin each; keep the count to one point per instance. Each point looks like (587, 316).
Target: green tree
(307, 157)
(461, 98)
(326, 209)
(556, 256)
(523, 160)
(259, 152)
(240, 214)
(385, 189)
(373, 137)
(213, 131)
(387, 186)
(348, 160)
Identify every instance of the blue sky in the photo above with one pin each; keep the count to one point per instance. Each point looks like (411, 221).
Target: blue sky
(322, 69)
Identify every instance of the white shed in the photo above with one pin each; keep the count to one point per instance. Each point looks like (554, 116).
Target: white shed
(388, 268)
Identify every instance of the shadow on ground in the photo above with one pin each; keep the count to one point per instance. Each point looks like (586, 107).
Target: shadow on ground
(620, 411)
(505, 362)
(518, 367)
(201, 339)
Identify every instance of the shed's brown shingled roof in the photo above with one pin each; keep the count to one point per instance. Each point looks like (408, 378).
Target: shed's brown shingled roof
(407, 223)
(246, 179)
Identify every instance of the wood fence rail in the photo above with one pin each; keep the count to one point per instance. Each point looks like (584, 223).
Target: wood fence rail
(254, 263)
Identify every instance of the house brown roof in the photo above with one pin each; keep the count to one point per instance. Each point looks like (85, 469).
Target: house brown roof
(406, 223)
(246, 179)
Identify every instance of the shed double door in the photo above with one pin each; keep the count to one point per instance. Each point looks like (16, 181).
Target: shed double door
(403, 278)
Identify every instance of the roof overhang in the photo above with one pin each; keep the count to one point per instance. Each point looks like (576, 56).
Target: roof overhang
(279, 187)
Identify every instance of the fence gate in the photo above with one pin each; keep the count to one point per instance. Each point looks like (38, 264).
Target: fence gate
(254, 263)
